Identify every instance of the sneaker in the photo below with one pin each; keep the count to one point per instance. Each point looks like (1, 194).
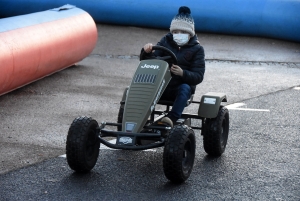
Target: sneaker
(167, 120)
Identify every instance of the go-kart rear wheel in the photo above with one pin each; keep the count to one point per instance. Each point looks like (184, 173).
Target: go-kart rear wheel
(83, 144)
(179, 154)
(215, 133)
(121, 109)
(120, 116)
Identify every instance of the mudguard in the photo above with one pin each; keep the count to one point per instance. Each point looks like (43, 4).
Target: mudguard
(210, 104)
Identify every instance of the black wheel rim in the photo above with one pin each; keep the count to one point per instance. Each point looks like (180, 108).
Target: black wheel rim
(90, 145)
(187, 157)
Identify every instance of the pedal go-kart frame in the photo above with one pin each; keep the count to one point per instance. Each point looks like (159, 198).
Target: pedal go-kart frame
(139, 126)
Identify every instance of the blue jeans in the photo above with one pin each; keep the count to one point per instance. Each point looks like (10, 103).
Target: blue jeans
(180, 96)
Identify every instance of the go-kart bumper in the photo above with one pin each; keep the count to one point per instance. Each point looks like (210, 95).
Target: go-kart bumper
(129, 141)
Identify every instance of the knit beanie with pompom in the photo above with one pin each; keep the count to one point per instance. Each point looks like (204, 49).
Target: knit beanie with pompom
(183, 21)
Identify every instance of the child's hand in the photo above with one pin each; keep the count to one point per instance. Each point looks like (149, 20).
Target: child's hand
(148, 47)
(176, 70)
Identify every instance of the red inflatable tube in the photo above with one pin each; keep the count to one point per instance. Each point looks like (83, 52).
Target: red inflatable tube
(32, 52)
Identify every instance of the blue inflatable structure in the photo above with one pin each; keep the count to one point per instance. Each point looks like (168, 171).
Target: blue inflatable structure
(278, 19)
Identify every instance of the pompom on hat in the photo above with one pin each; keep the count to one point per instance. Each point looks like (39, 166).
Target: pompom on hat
(183, 21)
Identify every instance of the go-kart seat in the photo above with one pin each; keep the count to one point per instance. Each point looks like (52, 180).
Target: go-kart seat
(170, 103)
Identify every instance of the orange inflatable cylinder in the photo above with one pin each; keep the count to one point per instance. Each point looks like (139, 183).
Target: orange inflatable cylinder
(39, 44)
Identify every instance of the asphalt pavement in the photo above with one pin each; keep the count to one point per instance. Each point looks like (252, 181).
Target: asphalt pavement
(260, 76)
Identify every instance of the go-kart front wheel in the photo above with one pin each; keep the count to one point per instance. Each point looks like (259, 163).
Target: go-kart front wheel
(179, 154)
(83, 144)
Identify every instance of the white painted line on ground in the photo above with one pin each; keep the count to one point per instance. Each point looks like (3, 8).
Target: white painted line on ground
(236, 106)
(297, 88)
(250, 109)
(102, 146)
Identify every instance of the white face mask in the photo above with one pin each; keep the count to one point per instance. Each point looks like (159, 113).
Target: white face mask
(181, 39)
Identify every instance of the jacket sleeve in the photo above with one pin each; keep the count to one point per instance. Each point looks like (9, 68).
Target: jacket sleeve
(195, 74)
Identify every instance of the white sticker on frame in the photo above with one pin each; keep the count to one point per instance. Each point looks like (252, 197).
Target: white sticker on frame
(210, 101)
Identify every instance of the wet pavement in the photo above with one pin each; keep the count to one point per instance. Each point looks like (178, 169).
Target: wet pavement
(261, 161)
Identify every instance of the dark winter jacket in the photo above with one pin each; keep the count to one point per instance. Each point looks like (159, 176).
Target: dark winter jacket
(190, 58)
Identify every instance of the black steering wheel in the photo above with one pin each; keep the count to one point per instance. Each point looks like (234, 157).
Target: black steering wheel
(170, 58)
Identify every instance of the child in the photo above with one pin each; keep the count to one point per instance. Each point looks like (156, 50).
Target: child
(190, 69)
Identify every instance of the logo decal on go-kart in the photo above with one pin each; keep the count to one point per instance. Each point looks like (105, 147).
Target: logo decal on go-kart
(150, 66)
(129, 126)
(158, 95)
(125, 140)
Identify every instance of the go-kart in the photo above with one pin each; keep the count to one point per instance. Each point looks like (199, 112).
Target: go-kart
(139, 125)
